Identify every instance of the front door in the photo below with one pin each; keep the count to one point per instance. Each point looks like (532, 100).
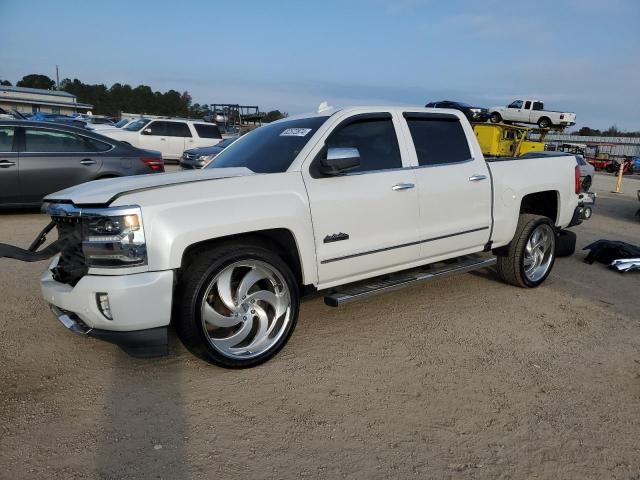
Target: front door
(516, 113)
(51, 160)
(365, 221)
(9, 166)
(454, 187)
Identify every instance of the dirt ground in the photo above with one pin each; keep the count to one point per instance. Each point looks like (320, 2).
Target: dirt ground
(461, 378)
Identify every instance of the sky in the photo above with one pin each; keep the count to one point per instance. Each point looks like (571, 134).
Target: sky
(575, 55)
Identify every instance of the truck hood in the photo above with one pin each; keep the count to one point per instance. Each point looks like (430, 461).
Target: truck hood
(103, 192)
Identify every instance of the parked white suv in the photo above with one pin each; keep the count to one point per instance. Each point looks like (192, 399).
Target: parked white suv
(531, 111)
(171, 137)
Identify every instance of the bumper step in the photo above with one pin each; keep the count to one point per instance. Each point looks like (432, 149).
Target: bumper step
(378, 285)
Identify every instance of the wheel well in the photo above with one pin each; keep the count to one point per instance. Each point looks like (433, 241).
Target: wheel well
(541, 203)
(280, 240)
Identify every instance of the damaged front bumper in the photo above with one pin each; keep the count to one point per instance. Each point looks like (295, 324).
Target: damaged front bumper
(131, 310)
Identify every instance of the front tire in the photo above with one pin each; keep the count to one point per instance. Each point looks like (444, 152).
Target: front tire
(237, 305)
(495, 118)
(529, 258)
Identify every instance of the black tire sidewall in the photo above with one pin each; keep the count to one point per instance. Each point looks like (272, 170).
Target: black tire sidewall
(195, 284)
(497, 117)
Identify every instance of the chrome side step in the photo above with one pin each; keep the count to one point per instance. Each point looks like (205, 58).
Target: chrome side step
(375, 286)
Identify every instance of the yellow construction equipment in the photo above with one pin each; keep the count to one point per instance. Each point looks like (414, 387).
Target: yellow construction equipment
(502, 140)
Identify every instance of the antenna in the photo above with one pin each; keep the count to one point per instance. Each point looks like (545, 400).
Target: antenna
(57, 79)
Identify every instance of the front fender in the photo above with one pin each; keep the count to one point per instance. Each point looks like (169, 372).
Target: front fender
(179, 216)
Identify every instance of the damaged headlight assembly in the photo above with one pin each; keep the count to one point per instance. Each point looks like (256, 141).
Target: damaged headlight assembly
(113, 237)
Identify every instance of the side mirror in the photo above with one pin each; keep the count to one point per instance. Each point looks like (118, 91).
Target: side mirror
(146, 131)
(340, 160)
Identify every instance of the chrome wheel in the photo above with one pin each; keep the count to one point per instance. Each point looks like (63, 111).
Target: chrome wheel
(539, 252)
(246, 309)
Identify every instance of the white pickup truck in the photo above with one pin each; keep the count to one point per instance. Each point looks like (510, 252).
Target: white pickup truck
(352, 202)
(531, 111)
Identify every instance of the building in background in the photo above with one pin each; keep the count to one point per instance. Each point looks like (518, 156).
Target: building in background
(32, 100)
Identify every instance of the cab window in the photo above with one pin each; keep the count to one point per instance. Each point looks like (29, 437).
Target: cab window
(375, 139)
(438, 140)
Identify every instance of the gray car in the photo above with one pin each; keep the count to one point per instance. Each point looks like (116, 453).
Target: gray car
(39, 158)
(196, 158)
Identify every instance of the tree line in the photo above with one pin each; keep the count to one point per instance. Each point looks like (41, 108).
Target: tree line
(612, 131)
(118, 98)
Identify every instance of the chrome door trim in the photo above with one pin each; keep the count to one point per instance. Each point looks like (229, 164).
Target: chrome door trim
(378, 250)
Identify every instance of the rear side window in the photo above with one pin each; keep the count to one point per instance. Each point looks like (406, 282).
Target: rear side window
(6, 139)
(527, 105)
(178, 129)
(94, 145)
(375, 139)
(538, 106)
(54, 141)
(438, 140)
(207, 131)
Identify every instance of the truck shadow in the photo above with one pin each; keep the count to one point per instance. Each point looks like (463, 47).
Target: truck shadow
(145, 424)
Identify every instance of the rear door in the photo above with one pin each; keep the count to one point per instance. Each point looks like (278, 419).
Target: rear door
(454, 188)
(51, 160)
(9, 165)
(179, 138)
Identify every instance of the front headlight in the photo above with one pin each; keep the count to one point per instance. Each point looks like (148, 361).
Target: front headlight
(113, 237)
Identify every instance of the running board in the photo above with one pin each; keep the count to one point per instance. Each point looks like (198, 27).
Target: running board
(375, 286)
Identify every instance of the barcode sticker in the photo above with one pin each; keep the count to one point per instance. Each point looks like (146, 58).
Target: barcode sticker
(295, 132)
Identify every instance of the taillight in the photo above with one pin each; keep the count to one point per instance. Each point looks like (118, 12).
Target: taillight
(577, 180)
(154, 163)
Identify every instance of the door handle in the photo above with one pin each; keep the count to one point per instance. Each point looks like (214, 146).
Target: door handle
(7, 164)
(477, 178)
(402, 186)
(163, 139)
(87, 162)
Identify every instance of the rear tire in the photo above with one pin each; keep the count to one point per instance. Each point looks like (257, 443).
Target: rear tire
(495, 117)
(528, 259)
(236, 305)
(565, 243)
(544, 122)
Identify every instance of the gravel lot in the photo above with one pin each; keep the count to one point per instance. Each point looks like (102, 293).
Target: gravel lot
(462, 378)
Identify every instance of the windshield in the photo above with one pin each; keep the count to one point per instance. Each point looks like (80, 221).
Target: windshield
(137, 125)
(271, 148)
(121, 123)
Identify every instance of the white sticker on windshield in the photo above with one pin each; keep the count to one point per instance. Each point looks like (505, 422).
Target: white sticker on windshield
(295, 132)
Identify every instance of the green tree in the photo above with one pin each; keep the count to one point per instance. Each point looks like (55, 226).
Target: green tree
(586, 131)
(36, 80)
(274, 115)
(5, 83)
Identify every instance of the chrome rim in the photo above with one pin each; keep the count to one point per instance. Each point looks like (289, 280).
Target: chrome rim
(539, 252)
(246, 309)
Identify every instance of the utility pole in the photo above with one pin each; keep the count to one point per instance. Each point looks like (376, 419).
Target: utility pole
(57, 79)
